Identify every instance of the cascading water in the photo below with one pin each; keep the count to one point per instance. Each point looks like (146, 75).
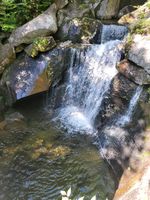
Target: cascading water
(89, 77)
(113, 32)
(126, 118)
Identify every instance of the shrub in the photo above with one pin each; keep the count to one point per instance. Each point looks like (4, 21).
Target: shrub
(14, 13)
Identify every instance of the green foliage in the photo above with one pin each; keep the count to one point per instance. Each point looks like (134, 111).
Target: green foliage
(14, 13)
(142, 26)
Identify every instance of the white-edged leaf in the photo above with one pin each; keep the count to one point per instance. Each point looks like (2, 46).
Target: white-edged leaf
(69, 192)
(63, 193)
(81, 198)
(65, 198)
(93, 198)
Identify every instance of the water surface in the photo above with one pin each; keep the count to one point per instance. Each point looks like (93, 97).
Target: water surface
(37, 161)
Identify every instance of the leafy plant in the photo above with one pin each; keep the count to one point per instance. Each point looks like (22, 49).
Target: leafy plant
(67, 195)
(14, 13)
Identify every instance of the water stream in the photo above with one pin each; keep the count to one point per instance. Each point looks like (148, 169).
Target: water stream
(89, 78)
(126, 118)
(37, 160)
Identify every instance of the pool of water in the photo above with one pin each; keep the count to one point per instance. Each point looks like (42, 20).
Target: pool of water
(37, 160)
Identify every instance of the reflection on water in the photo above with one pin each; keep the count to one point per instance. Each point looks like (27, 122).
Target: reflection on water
(37, 161)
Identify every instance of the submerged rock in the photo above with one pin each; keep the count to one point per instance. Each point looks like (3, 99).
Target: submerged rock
(43, 25)
(134, 72)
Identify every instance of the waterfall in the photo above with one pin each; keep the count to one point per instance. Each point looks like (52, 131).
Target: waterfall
(126, 118)
(89, 77)
(113, 138)
(113, 32)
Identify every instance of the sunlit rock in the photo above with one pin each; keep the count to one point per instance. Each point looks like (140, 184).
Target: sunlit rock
(79, 30)
(107, 9)
(134, 72)
(41, 44)
(139, 52)
(43, 25)
(28, 76)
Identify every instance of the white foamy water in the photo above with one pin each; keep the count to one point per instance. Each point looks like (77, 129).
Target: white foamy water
(126, 118)
(89, 77)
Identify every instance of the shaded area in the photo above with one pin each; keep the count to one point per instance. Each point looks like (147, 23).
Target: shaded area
(37, 161)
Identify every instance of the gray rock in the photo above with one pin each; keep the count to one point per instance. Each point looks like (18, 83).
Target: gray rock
(107, 9)
(41, 44)
(79, 30)
(125, 10)
(43, 25)
(134, 72)
(28, 76)
(102, 9)
(139, 52)
(7, 55)
(61, 3)
(73, 10)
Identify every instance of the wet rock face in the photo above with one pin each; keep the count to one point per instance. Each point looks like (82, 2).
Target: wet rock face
(116, 101)
(123, 87)
(133, 72)
(43, 25)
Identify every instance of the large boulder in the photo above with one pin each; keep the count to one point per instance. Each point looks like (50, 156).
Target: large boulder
(7, 55)
(43, 25)
(79, 30)
(88, 30)
(28, 76)
(139, 52)
(133, 72)
(73, 10)
(135, 181)
(136, 16)
(102, 9)
(107, 9)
